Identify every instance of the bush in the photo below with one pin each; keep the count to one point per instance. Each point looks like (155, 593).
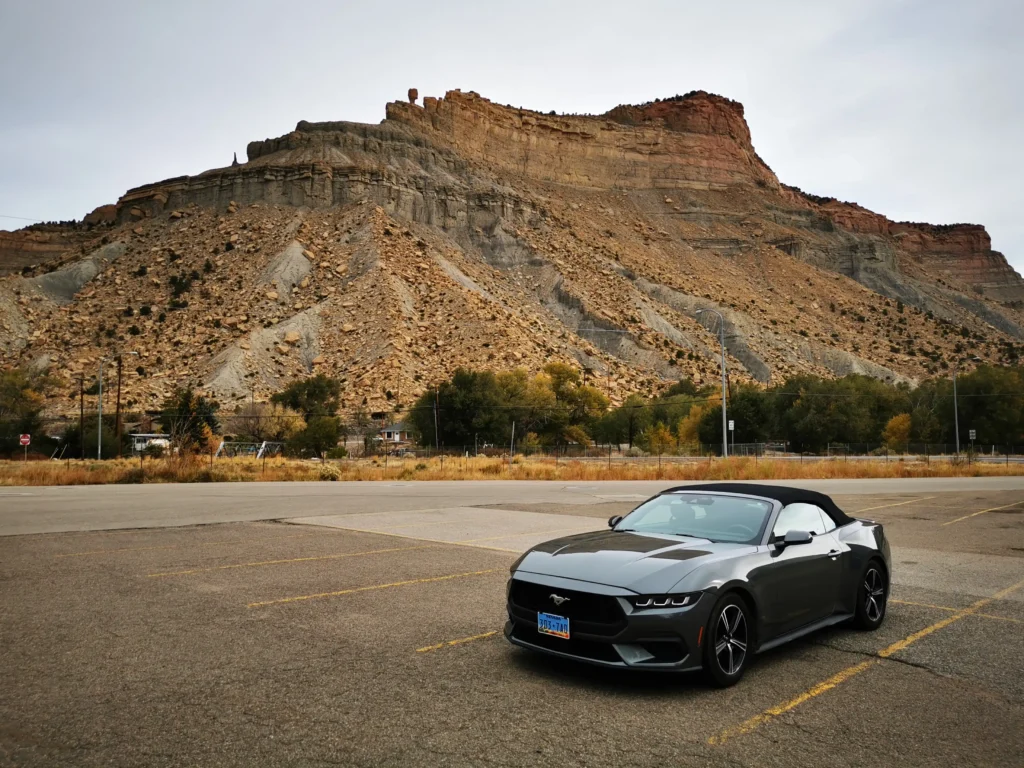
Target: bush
(329, 472)
(420, 466)
(338, 452)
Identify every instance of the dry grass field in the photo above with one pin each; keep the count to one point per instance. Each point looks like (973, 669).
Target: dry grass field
(202, 470)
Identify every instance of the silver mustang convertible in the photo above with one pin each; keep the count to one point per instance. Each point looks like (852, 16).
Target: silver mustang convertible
(701, 577)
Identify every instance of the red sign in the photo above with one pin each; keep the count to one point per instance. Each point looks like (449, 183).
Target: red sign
(26, 439)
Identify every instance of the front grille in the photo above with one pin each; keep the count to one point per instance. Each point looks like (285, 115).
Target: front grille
(587, 613)
(584, 649)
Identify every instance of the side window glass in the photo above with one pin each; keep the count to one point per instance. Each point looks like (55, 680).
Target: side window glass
(799, 517)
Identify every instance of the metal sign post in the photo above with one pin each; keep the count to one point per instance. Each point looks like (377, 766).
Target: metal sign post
(732, 435)
(25, 441)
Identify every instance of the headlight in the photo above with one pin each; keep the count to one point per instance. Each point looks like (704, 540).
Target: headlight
(642, 602)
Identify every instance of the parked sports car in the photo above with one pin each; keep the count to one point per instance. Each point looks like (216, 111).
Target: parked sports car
(701, 577)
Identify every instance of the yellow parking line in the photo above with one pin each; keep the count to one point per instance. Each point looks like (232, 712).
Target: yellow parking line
(842, 676)
(110, 551)
(232, 542)
(460, 641)
(954, 610)
(282, 562)
(897, 504)
(352, 591)
(981, 512)
(434, 541)
(758, 720)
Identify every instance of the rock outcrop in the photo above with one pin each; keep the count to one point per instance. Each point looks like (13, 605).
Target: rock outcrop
(465, 233)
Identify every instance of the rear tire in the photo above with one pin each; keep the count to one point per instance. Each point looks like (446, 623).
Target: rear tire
(729, 641)
(872, 596)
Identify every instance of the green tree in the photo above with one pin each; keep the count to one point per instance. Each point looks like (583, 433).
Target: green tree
(316, 396)
(625, 423)
(320, 435)
(468, 405)
(190, 420)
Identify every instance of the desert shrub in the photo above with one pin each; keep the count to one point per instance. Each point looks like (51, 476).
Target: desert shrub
(328, 472)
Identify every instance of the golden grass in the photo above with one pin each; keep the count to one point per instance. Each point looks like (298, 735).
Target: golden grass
(199, 470)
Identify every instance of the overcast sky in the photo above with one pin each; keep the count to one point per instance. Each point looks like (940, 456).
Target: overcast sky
(913, 108)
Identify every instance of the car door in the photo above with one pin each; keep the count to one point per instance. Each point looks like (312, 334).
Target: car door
(800, 581)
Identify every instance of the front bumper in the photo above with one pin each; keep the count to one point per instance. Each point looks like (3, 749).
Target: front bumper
(660, 639)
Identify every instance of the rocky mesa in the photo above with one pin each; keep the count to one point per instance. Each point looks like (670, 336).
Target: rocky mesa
(462, 232)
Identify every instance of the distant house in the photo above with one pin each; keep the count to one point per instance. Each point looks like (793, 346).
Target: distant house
(142, 441)
(395, 434)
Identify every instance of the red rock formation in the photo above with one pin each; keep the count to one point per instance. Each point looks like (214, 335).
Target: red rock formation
(700, 142)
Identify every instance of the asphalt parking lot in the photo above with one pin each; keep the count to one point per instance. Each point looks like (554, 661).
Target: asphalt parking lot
(373, 638)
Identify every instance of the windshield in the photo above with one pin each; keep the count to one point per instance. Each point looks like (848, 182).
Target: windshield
(702, 515)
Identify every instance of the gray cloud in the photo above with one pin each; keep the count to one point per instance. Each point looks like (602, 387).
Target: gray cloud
(912, 108)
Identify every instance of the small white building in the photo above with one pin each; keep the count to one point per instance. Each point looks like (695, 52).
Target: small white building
(141, 441)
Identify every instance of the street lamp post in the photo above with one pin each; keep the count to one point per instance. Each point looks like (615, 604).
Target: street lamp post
(721, 333)
(956, 410)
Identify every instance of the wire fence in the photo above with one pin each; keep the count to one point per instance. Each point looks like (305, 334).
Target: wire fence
(61, 439)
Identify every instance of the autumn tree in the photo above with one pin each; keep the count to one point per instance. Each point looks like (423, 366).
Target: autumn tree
(23, 394)
(190, 419)
(896, 434)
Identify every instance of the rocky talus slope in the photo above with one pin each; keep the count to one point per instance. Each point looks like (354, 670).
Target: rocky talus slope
(461, 232)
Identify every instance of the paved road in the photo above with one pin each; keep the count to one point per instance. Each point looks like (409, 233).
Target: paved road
(364, 632)
(87, 508)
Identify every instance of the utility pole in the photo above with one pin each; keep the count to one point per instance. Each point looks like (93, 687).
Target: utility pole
(437, 435)
(956, 413)
(117, 418)
(721, 329)
(99, 416)
(81, 416)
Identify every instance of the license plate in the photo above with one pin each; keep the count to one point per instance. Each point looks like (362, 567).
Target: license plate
(549, 624)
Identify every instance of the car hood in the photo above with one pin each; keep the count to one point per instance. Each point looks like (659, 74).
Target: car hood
(641, 562)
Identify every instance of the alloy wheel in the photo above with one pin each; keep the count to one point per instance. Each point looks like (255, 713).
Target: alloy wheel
(731, 639)
(874, 594)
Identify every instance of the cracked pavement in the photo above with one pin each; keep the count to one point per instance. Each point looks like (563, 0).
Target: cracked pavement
(107, 665)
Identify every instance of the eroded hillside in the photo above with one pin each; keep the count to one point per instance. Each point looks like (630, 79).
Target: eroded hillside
(465, 233)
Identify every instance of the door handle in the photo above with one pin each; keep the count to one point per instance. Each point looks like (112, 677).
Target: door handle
(834, 553)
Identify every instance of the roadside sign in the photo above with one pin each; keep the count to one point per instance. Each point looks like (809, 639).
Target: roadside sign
(732, 425)
(974, 434)
(25, 440)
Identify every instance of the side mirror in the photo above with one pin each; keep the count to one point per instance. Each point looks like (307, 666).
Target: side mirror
(614, 520)
(792, 538)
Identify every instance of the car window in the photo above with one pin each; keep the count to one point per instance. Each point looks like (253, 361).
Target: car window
(802, 517)
(701, 515)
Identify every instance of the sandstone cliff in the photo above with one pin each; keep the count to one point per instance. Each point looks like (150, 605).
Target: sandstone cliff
(462, 232)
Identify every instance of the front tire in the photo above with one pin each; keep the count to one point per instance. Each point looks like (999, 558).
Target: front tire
(730, 641)
(871, 598)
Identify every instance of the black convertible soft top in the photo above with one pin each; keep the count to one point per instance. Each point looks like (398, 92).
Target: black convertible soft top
(782, 493)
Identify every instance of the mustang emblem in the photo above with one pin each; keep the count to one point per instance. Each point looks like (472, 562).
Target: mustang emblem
(558, 599)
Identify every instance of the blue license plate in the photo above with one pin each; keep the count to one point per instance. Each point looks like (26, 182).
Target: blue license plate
(549, 624)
